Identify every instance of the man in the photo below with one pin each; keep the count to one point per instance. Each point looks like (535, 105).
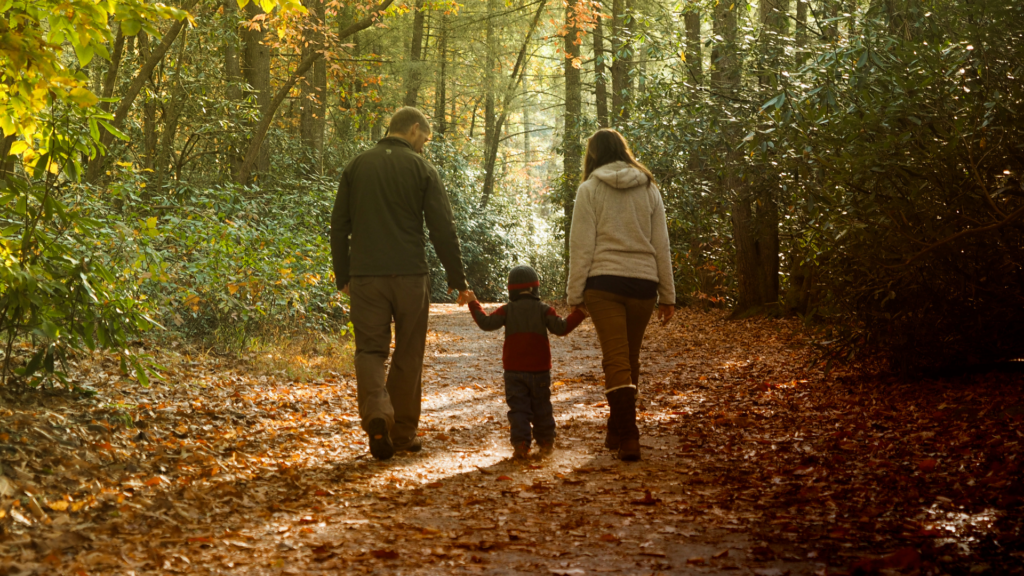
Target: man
(378, 250)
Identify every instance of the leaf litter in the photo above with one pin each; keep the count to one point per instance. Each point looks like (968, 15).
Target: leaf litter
(753, 463)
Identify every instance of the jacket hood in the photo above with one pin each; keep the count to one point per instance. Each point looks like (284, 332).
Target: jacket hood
(620, 175)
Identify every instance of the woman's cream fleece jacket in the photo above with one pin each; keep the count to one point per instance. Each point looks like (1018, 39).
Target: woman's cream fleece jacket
(619, 229)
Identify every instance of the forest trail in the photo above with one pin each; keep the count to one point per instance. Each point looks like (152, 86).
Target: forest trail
(753, 464)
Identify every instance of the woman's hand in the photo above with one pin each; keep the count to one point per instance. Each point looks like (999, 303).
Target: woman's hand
(665, 312)
(582, 308)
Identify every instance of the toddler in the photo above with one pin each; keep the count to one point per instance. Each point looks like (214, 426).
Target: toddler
(526, 358)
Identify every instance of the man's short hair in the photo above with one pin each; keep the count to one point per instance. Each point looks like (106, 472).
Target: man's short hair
(402, 121)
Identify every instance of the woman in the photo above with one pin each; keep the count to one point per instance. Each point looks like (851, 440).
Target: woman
(619, 265)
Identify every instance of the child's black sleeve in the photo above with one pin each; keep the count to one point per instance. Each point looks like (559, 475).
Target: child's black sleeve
(493, 322)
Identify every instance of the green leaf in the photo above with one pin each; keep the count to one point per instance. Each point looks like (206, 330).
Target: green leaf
(84, 52)
(35, 363)
(110, 128)
(130, 27)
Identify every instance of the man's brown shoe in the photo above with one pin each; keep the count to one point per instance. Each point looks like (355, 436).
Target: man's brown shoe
(380, 440)
(413, 446)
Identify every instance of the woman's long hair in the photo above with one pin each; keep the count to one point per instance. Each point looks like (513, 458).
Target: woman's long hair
(607, 146)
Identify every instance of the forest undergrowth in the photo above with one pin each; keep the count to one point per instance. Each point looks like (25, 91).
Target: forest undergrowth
(754, 463)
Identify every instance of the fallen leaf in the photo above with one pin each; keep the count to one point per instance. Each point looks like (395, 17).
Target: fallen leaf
(384, 554)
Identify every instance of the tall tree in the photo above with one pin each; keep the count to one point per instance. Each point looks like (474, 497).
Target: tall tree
(755, 210)
(725, 70)
(621, 63)
(415, 73)
(256, 59)
(441, 92)
(260, 133)
(149, 102)
(600, 82)
(694, 56)
(572, 151)
(508, 93)
(172, 113)
(801, 31)
(232, 77)
(110, 78)
(489, 64)
(313, 90)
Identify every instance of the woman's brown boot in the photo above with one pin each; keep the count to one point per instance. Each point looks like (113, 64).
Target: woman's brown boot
(611, 438)
(622, 405)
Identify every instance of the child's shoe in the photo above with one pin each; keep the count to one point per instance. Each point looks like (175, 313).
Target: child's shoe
(521, 451)
(547, 447)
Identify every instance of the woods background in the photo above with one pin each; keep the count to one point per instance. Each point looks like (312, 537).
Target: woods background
(857, 163)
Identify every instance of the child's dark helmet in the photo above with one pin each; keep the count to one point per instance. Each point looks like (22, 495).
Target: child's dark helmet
(522, 278)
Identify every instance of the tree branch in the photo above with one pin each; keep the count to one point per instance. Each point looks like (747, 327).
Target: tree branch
(260, 133)
(1009, 219)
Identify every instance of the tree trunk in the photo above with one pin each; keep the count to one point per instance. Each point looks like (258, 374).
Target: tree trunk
(232, 79)
(172, 112)
(527, 150)
(489, 81)
(830, 9)
(256, 72)
(260, 133)
(440, 102)
(694, 56)
(774, 15)
(518, 71)
(110, 78)
(620, 65)
(314, 90)
(149, 134)
(801, 32)
(801, 284)
(600, 82)
(6, 160)
(725, 73)
(415, 76)
(755, 224)
(572, 150)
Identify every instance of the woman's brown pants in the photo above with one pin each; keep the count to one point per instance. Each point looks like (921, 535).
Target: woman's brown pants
(620, 323)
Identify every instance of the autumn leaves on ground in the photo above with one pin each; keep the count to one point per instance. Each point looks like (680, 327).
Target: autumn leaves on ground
(753, 464)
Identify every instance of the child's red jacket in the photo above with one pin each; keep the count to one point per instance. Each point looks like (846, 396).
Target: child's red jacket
(527, 322)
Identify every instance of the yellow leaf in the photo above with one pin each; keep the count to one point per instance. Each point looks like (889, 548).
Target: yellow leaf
(83, 97)
(18, 147)
(57, 506)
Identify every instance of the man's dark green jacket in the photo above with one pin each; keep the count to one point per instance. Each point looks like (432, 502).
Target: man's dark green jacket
(377, 223)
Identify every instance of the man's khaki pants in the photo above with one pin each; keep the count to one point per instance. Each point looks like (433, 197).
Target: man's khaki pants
(376, 300)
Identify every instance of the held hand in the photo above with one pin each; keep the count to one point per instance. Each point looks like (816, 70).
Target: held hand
(665, 313)
(582, 308)
(465, 297)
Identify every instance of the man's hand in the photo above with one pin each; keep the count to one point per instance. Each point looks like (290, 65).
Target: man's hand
(344, 289)
(582, 308)
(465, 296)
(665, 312)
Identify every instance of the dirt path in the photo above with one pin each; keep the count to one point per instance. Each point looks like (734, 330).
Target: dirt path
(752, 465)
